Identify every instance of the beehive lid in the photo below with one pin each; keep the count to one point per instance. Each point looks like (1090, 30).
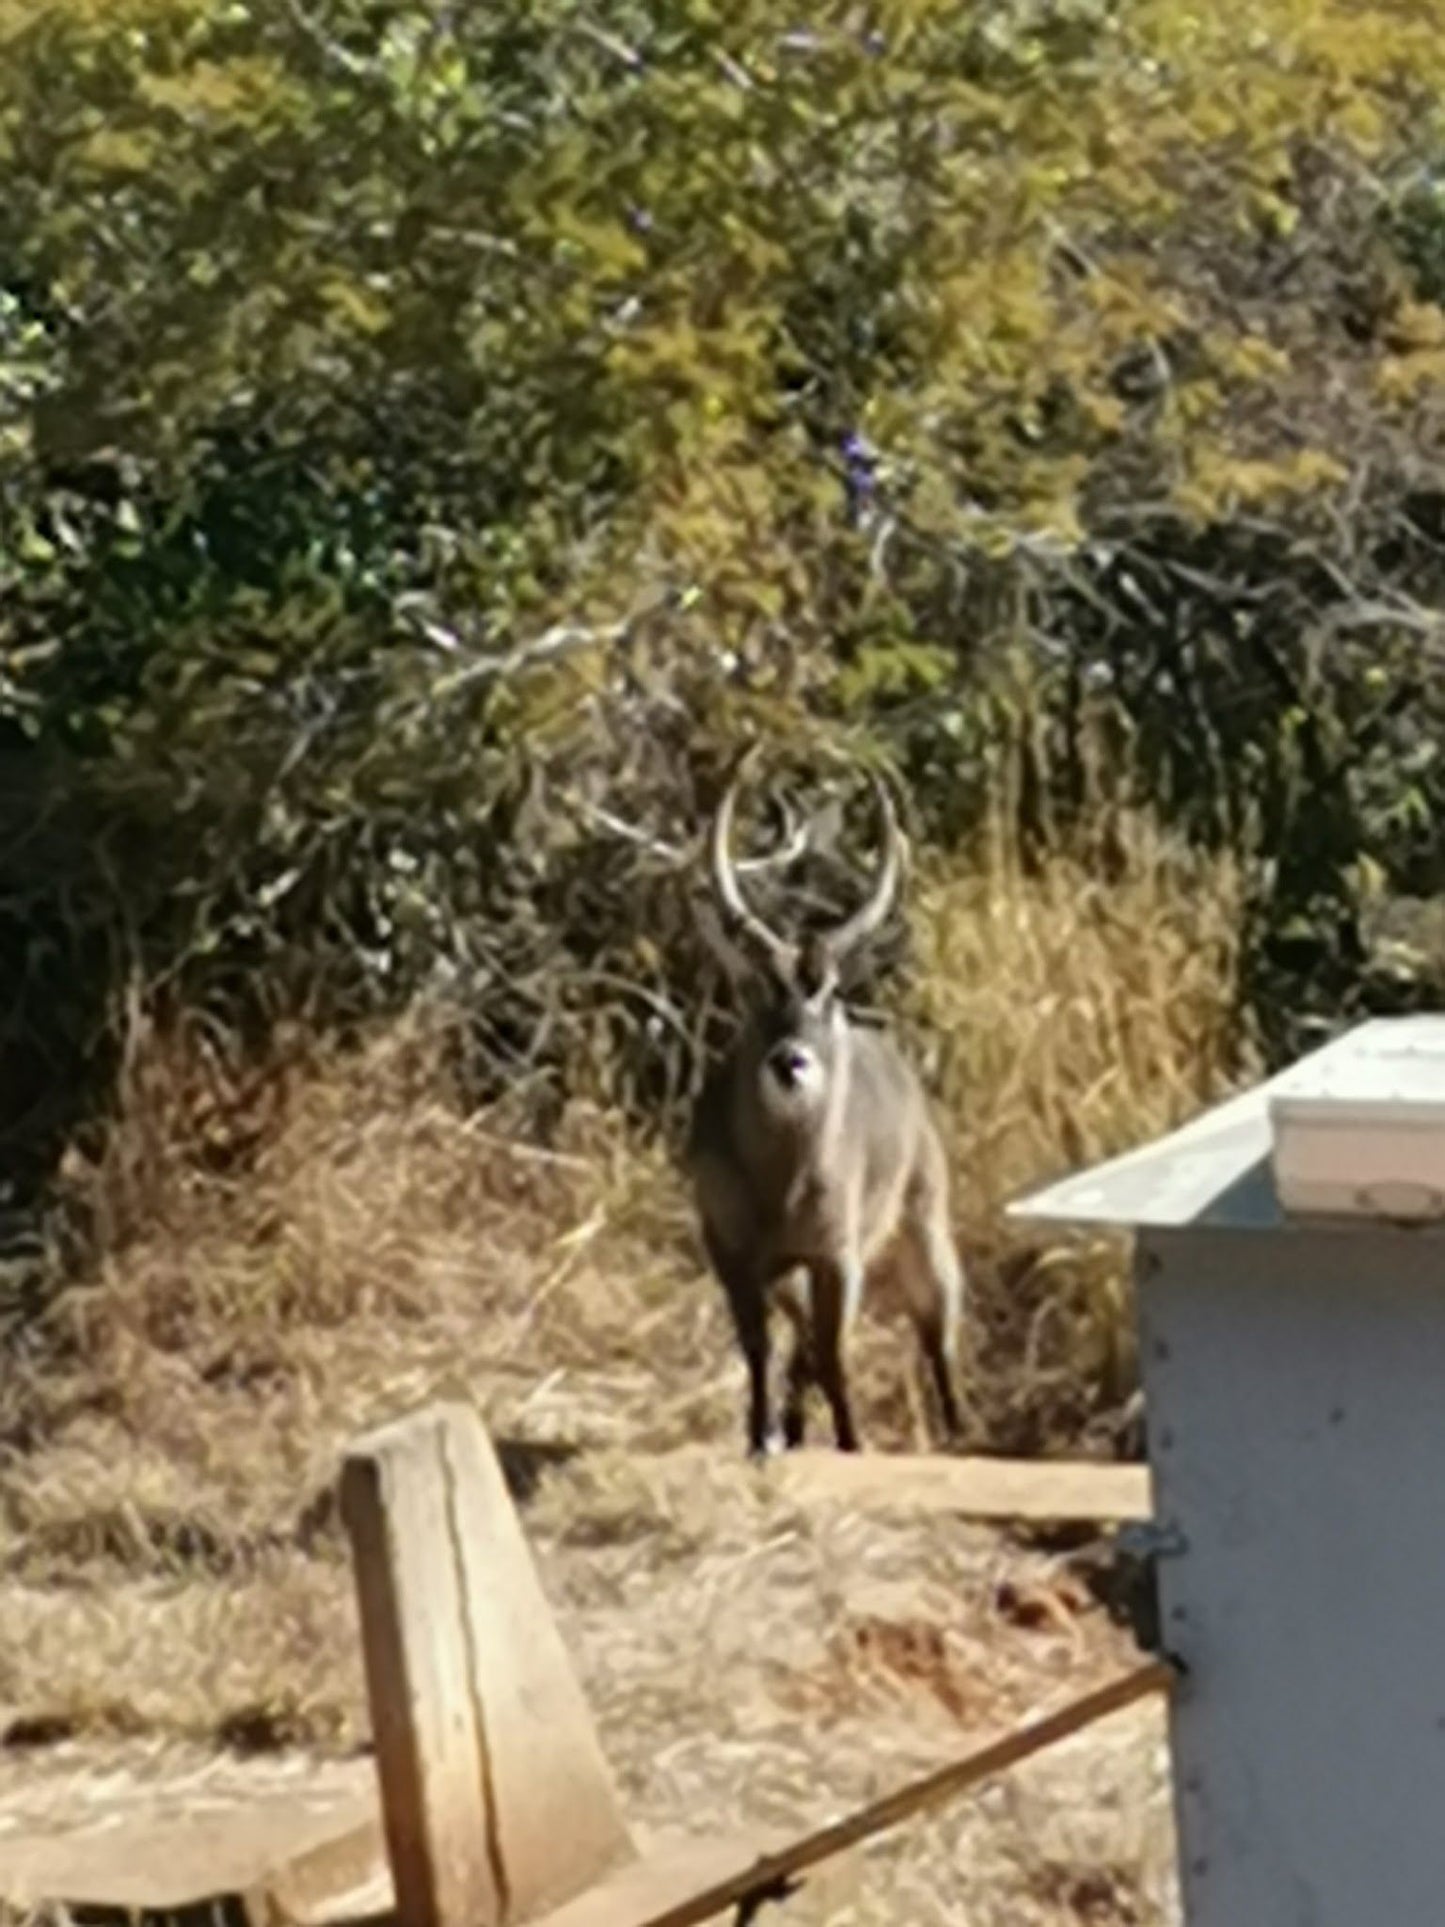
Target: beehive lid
(1400, 1081)
(1217, 1169)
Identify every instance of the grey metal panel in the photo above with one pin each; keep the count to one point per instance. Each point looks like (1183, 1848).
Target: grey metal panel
(1214, 1170)
(1296, 1399)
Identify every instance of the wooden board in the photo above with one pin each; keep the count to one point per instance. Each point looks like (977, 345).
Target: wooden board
(344, 1879)
(973, 1488)
(279, 1845)
(496, 1798)
(669, 1883)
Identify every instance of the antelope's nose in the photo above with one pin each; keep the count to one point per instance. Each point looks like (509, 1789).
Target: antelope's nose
(789, 1063)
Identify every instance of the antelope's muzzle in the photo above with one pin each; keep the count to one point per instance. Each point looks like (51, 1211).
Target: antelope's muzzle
(791, 1065)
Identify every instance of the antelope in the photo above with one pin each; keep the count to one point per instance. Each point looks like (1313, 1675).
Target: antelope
(813, 1154)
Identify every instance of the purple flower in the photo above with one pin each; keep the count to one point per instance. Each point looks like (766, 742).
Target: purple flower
(858, 457)
(859, 464)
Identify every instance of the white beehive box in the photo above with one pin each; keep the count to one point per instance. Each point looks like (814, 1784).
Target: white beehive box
(1361, 1132)
(1291, 1331)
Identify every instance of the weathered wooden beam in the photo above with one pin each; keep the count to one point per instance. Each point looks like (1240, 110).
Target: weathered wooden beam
(336, 1883)
(276, 1850)
(975, 1488)
(496, 1799)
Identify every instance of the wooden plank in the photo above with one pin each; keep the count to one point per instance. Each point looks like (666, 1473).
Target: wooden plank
(496, 1799)
(674, 1877)
(343, 1879)
(692, 1884)
(168, 1845)
(975, 1488)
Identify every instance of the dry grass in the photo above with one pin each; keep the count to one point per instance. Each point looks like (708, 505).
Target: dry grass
(268, 1261)
(1070, 1014)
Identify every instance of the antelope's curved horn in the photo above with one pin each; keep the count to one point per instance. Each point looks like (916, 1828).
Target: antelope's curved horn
(856, 929)
(726, 888)
(793, 843)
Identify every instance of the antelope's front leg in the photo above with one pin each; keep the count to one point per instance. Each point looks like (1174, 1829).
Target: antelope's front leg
(750, 1317)
(793, 1294)
(747, 1300)
(837, 1288)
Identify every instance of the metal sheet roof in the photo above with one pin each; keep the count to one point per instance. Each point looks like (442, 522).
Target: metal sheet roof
(1214, 1170)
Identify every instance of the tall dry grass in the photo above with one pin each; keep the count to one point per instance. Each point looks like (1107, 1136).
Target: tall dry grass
(261, 1258)
(1070, 1011)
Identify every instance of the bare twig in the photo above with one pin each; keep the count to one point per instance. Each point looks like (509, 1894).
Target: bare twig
(350, 64)
(795, 843)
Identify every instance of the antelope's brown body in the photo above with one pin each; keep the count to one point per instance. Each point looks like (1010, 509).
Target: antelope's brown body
(814, 1156)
